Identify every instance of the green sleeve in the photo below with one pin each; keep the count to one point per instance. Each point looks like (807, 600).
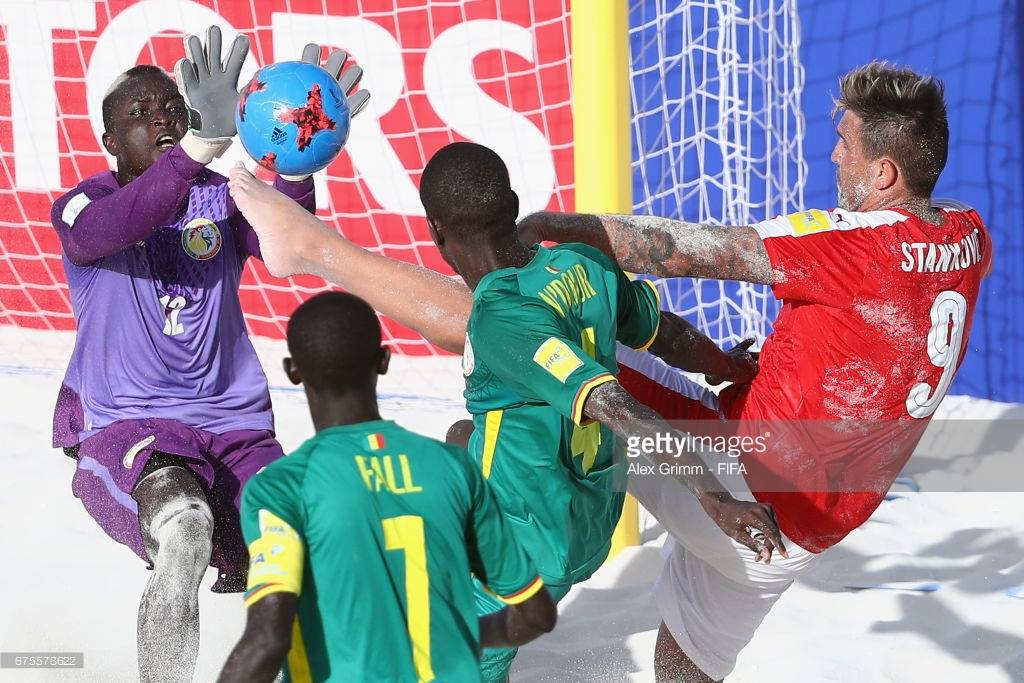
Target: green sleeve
(525, 345)
(495, 555)
(272, 527)
(639, 311)
(277, 490)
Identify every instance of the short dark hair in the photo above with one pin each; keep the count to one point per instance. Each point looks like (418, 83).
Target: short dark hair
(904, 116)
(334, 339)
(466, 188)
(117, 89)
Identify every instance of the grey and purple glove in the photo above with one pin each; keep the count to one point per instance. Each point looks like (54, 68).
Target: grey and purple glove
(348, 81)
(210, 89)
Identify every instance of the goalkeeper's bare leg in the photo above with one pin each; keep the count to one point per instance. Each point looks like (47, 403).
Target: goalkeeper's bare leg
(293, 242)
(177, 527)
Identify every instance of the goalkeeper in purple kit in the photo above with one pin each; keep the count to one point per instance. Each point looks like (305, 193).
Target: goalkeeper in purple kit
(164, 403)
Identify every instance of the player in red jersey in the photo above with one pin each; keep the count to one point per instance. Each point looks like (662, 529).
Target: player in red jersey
(879, 296)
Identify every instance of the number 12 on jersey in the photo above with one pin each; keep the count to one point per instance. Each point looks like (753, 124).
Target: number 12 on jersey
(405, 533)
(172, 309)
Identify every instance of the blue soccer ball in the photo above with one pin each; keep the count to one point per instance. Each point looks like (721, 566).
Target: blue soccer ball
(292, 118)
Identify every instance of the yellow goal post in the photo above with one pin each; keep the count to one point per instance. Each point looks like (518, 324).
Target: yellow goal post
(601, 141)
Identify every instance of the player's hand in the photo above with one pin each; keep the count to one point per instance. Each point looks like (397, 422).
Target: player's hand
(210, 86)
(742, 365)
(752, 524)
(348, 81)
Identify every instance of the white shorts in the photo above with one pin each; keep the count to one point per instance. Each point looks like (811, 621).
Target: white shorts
(711, 593)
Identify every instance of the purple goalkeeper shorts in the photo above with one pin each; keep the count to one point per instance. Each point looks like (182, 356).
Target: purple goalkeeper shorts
(111, 462)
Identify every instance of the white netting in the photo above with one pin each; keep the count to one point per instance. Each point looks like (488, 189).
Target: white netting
(717, 127)
(496, 72)
(717, 133)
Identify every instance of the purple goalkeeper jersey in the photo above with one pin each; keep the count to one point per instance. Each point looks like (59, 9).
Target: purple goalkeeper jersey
(154, 269)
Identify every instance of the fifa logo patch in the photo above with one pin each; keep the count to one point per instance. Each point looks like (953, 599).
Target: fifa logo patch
(201, 239)
(557, 359)
(807, 222)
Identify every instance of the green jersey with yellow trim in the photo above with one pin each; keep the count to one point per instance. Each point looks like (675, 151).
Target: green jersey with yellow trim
(540, 338)
(377, 530)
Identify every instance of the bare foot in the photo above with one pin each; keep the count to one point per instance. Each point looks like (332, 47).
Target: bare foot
(288, 233)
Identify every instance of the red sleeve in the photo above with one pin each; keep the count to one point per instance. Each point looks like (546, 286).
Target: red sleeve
(821, 256)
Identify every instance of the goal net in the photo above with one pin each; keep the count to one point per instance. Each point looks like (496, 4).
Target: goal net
(717, 134)
(497, 73)
(716, 125)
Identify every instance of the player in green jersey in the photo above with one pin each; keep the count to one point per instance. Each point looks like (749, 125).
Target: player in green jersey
(362, 541)
(539, 383)
(539, 361)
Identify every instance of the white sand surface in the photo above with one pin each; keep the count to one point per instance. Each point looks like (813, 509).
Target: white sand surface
(67, 587)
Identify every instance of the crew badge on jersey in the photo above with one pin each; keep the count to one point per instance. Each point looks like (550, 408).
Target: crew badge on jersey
(201, 239)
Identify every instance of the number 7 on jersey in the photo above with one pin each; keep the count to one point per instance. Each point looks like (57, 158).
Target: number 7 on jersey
(405, 533)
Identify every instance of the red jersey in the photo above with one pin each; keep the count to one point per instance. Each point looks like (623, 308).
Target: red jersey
(874, 325)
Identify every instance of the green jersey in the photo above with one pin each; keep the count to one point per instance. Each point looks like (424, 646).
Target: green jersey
(539, 340)
(377, 530)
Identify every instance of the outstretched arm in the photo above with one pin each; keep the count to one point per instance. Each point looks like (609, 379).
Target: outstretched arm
(683, 346)
(659, 246)
(613, 406)
(292, 242)
(98, 221)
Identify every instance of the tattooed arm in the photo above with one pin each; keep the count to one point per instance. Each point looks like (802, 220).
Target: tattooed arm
(683, 346)
(613, 406)
(659, 246)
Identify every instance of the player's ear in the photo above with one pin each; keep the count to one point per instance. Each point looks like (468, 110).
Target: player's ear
(435, 231)
(110, 144)
(385, 360)
(292, 371)
(887, 173)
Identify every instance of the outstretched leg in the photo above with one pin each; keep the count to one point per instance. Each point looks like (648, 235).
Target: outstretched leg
(177, 527)
(292, 241)
(288, 233)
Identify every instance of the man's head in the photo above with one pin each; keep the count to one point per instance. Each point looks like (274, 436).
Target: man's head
(468, 198)
(144, 115)
(893, 136)
(335, 345)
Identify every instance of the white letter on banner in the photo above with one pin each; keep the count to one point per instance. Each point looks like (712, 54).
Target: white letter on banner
(378, 53)
(455, 95)
(29, 25)
(118, 48)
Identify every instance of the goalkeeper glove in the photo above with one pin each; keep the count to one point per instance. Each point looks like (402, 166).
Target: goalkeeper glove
(210, 89)
(349, 81)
